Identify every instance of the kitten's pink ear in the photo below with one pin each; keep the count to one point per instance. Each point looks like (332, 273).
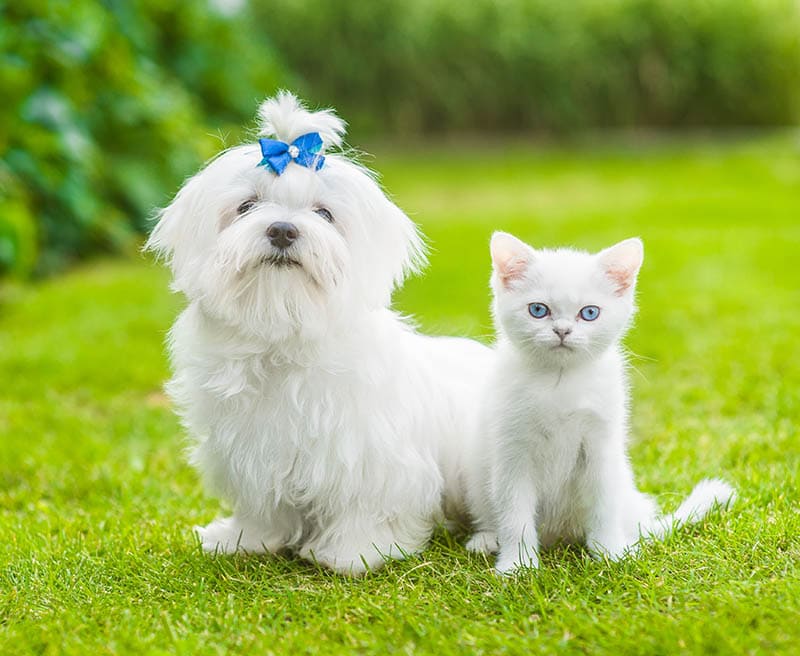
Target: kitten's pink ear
(510, 257)
(622, 262)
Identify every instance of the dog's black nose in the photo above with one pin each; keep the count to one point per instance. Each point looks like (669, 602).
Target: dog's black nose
(282, 234)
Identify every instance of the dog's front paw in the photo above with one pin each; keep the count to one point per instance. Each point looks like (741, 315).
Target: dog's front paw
(515, 561)
(352, 560)
(354, 557)
(230, 534)
(514, 567)
(349, 565)
(482, 542)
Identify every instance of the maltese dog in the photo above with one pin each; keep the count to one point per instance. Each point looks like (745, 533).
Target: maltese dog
(331, 427)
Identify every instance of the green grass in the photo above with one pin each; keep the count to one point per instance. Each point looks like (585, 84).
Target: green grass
(96, 501)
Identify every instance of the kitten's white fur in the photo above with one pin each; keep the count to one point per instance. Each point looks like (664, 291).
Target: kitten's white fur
(315, 411)
(552, 464)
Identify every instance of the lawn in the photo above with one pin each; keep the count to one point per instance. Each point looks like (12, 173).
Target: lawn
(97, 502)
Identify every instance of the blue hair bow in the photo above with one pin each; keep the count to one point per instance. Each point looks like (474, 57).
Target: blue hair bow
(303, 151)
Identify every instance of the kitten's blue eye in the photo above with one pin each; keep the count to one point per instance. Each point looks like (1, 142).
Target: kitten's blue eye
(589, 313)
(538, 310)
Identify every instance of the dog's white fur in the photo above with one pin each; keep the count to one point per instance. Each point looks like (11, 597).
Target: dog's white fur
(318, 413)
(552, 463)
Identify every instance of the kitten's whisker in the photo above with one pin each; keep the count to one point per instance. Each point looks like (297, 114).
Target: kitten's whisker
(631, 354)
(638, 372)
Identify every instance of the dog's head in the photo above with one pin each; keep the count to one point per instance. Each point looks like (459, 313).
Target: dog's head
(284, 255)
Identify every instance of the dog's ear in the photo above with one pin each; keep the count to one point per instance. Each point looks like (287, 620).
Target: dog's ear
(387, 243)
(410, 249)
(177, 231)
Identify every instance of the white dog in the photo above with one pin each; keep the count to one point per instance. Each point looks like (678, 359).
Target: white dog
(318, 413)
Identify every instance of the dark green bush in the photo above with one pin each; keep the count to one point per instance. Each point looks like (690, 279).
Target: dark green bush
(108, 105)
(542, 65)
(106, 108)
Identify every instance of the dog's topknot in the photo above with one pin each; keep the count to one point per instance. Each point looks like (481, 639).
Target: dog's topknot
(285, 118)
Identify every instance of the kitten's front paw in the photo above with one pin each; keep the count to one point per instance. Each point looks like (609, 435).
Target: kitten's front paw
(482, 542)
(613, 550)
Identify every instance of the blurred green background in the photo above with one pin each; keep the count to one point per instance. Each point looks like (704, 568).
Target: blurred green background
(108, 106)
(567, 123)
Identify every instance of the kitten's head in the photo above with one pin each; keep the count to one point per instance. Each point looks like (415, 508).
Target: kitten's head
(563, 306)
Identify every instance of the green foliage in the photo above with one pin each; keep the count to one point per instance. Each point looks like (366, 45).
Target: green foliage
(105, 111)
(408, 65)
(97, 501)
(108, 106)
(17, 226)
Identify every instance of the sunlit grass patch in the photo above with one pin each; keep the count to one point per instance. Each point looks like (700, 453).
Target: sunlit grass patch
(96, 501)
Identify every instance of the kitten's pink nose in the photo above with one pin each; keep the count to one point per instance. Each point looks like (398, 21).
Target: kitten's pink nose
(562, 331)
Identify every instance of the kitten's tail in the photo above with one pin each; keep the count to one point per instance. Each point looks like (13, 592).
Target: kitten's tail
(707, 495)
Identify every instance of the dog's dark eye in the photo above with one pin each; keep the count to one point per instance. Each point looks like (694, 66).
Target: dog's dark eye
(246, 206)
(325, 213)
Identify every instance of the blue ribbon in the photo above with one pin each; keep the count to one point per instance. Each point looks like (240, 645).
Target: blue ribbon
(303, 151)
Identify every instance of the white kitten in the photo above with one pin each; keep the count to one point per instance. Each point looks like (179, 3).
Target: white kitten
(315, 411)
(554, 466)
